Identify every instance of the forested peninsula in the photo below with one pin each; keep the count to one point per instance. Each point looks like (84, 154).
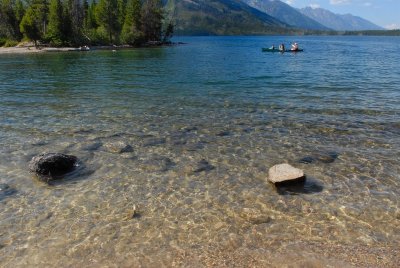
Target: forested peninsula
(60, 23)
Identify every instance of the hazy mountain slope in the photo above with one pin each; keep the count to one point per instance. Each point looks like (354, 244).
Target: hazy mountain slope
(339, 22)
(286, 13)
(220, 17)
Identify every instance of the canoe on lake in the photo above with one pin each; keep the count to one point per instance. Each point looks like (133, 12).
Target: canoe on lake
(277, 50)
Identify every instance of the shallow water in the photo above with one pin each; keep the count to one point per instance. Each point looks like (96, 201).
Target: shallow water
(206, 120)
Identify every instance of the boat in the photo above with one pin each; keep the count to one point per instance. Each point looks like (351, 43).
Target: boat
(264, 49)
(84, 48)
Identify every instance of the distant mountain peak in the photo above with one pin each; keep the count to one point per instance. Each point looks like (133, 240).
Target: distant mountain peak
(286, 13)
(219, 17)
(339, 22)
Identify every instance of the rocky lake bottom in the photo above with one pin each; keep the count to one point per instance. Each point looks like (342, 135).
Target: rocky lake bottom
(175, 174)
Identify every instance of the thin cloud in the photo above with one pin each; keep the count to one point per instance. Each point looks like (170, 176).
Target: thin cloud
(314, 6)
(339, 2)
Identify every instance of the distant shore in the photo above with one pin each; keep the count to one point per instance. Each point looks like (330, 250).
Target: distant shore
(19, 50)
(23, 50)
(41, 49)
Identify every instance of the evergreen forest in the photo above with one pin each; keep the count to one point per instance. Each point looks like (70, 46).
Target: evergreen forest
(82, 22)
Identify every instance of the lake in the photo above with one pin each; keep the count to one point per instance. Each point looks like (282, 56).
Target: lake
(204, 122)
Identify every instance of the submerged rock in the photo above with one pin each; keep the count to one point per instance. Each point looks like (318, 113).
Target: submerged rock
(326, 158)
(203, 165)
(223, 133)
(307, 160)
(285, 173)
(6, 190)
(118, 147)
(189, 129)
(52, 165)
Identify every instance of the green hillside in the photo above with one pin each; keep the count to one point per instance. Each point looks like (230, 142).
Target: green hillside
(220, 17)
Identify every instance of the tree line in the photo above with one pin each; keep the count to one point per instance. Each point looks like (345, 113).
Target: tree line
(77, 22)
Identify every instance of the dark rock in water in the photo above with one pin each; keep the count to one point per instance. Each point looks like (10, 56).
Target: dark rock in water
(326, 158)
(39, 142)
(6, 190)
(189, 129)
(223, 134)
(118, 147)
(203, 165)
(307, 160)
(52, 165)
(4, 187)
(247, 130)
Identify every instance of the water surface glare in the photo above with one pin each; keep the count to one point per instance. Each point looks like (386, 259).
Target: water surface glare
(206, 120)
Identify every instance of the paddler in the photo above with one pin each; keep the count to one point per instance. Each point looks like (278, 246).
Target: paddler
(295, 47)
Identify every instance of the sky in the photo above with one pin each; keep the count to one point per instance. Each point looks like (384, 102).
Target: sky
(385, 13)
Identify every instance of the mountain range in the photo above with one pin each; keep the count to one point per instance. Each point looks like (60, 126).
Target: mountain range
(286, 13)
(339, 22)
(219, 17)
(252, 17)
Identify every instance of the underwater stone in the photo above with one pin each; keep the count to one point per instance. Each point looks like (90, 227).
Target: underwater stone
(326, 158)
(49, 166)
(6, 190)
(307, 160)
(203, 165)
(285, 172)
(223, 133)
(118, 147)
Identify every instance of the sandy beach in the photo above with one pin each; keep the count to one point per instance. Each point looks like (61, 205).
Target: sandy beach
(31, 49)
(19, 50)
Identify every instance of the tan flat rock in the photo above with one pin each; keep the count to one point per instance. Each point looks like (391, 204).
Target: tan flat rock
(284, 172)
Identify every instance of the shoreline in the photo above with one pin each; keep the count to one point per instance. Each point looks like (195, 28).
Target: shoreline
(33, 49)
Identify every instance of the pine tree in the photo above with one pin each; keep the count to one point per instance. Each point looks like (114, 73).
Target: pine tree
(34, 22)
(90, 16)
(169, 31)
(55, 32)
(19, 10)
(9, 23)
(131, 30)
(152, 20)
(74, 17)
(107, 16)
(30, 25)
(121, 12)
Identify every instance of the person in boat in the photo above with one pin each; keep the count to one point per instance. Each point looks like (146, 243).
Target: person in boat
(295, 47)
(282, 47)
(273, 47)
